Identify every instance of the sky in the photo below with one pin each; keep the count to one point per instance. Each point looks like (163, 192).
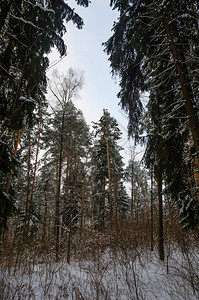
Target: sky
(85, 52)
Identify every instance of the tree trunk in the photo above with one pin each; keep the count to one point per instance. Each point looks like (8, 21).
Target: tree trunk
(34, 176)
(152, 239)
(57, 222)
(170, 210)
(11, 171)
(146, 204)
(45, 213)
(109, 180)
(115, 197)
(185, 87)
(57, 196)
(83, 192)
(69, 242)
(18, 217)
(28, 188)
(160, 217)
(132, 189)
(195, 165)
(71, 211)
(68, 166)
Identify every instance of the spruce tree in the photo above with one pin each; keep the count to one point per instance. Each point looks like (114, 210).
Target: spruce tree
(154, 49)
(28, 31)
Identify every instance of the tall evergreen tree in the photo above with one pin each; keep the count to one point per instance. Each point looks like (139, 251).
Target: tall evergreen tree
(69, 140)
(153, 49)
(28, 31)
(107, 170)
(147, 37)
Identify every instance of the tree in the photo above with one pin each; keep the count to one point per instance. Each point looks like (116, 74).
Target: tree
(145, 38)
(28, 33)
(107, 170)
(136, 175)
(154, 49)
(63, 89)
(69, 138)
(29, 30)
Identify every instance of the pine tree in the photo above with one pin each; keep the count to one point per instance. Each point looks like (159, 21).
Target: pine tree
(107, 171)
(69, 141)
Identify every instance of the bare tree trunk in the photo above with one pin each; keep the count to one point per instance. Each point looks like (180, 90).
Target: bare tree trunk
(34, 176)
(146, 205)
(83, 192)
(57, 196)
(71, 210)
(152, 238)
(28, 189)
(195, 170)
(57, 209)
(68, 165)
(115, 197)
(69, 241)
(109, 181)
(160, 217)
(45, 213)
(189, 177)
(132, 188)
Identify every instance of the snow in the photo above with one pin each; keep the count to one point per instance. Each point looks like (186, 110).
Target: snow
(186, 16)
(5, 195)
(163, 3)
(44, 8)
(25, 21)
(30, 99)
(40, 6)
(125, 274)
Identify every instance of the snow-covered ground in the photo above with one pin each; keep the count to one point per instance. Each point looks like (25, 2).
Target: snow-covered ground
(123, 273)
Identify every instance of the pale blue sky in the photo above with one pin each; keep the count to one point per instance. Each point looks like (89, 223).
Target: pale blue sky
(85, 51)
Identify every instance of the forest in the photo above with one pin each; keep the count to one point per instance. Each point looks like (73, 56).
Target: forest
(76, 222)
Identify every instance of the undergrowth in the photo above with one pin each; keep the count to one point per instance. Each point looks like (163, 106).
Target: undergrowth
(114, 264)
